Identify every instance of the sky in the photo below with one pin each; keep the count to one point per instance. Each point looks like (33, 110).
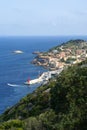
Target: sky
(43, 17)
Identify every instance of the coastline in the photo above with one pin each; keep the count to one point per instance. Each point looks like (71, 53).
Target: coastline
(62, 56)
(44, 77)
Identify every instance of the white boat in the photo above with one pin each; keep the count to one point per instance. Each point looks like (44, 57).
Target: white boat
(34, 81)
(18, 52)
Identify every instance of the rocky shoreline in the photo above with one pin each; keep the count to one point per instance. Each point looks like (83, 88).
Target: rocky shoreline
(41, 60)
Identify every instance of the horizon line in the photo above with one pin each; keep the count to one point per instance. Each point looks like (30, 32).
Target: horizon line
(39, 35)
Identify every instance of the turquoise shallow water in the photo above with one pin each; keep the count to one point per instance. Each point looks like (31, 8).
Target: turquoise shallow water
(16, 68)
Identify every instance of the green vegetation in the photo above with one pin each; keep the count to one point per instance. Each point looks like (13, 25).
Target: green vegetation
(71, 99)
(12, 125)
(62, 107)
(59, 105)
(74, 44)
(70, 60)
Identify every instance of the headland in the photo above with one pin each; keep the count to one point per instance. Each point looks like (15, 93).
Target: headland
(62, 56)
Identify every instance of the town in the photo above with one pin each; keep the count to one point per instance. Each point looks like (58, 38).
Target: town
(66, 54)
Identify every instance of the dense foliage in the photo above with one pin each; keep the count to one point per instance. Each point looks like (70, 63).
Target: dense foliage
(60, 105)
(70, 94)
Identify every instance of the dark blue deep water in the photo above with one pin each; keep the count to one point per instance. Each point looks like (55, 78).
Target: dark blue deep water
(16, 68)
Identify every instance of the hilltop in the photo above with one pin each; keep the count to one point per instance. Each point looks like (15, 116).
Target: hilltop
(59, 105)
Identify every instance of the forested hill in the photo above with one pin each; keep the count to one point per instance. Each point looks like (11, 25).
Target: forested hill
(60, 105)
(72, 44)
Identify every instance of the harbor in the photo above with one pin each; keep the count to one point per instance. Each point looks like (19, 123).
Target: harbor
(44, 77)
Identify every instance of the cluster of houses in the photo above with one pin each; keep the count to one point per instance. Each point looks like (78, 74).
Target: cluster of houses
(61, 57)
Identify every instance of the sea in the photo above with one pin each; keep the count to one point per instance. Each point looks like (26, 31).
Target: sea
(15, 69)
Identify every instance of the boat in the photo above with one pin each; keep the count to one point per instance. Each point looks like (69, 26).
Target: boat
(18, 52)
(34, 81)
(27, 82)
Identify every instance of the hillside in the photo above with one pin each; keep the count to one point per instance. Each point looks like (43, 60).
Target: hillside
(78, 43)
(61, 104)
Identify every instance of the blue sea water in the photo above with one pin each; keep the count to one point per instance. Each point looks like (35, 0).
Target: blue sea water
(16, 68)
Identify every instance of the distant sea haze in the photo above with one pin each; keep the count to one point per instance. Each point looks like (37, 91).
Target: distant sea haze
(15, 69)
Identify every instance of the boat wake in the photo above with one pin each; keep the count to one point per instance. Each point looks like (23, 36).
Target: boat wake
(12, 85)
(16, 85)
